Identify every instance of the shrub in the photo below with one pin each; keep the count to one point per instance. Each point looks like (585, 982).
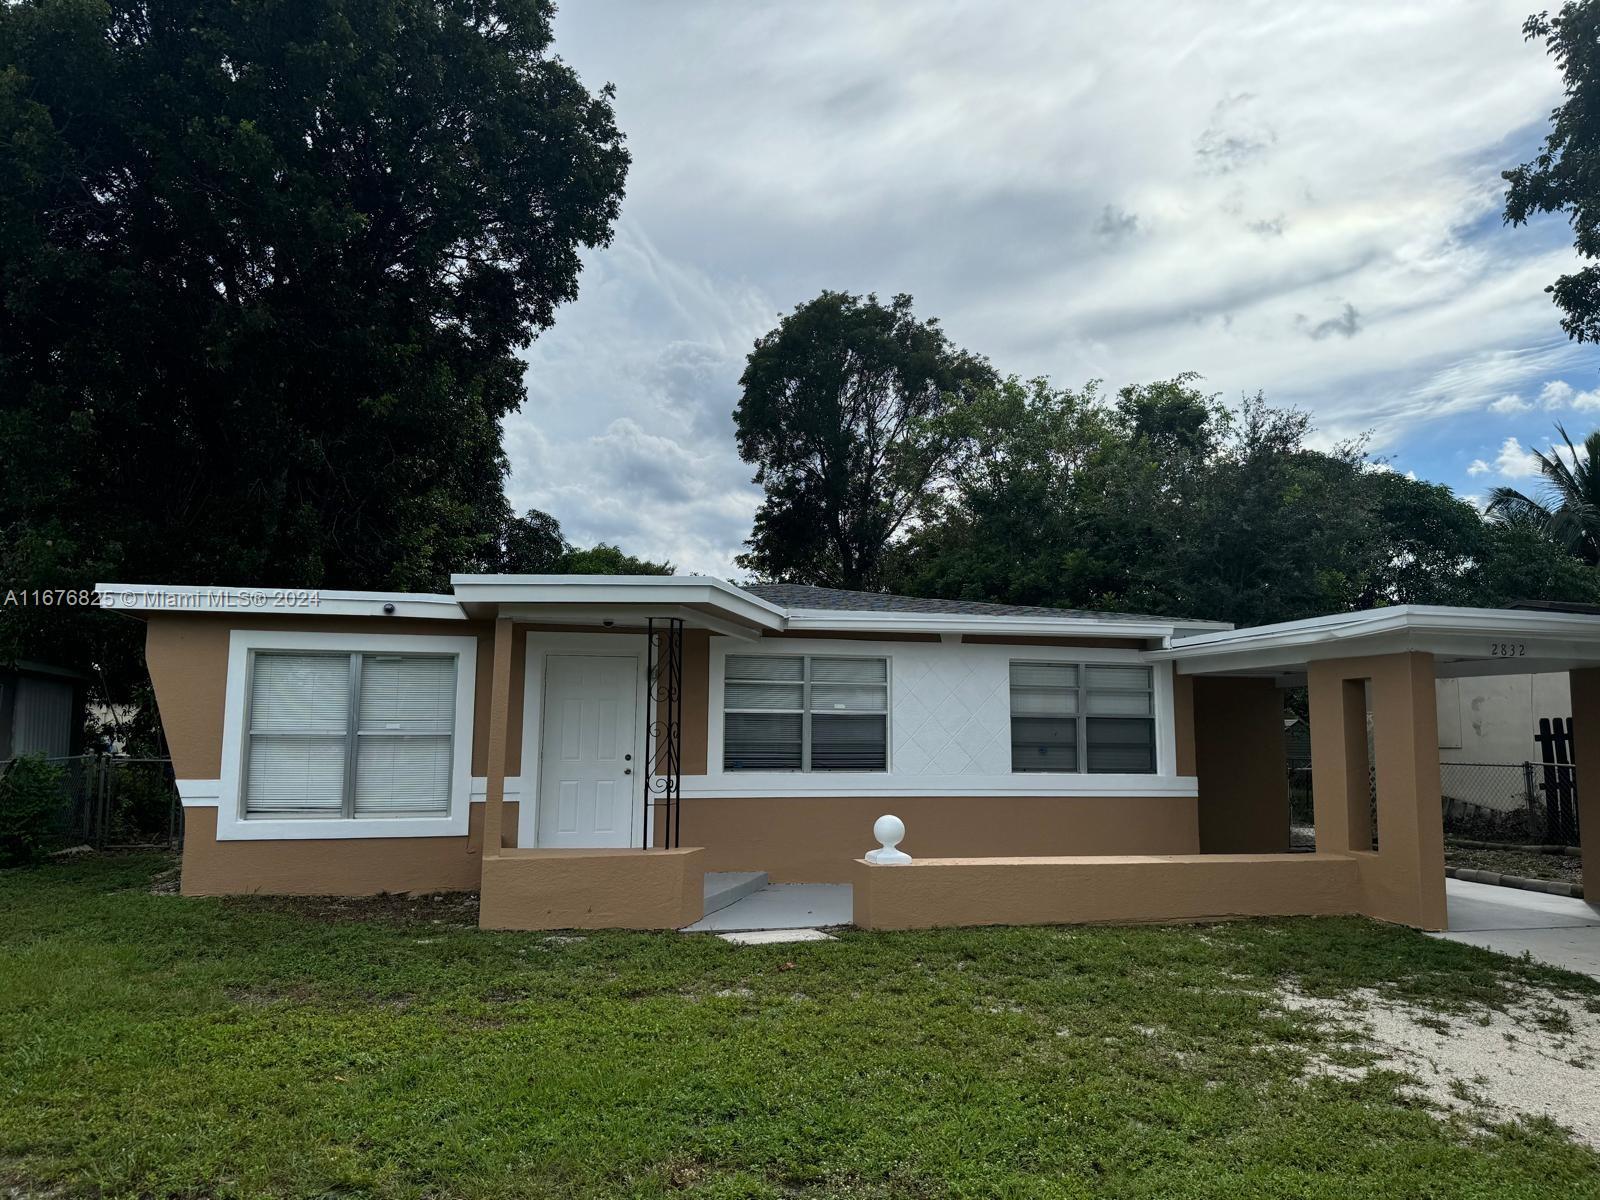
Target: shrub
(32, 796)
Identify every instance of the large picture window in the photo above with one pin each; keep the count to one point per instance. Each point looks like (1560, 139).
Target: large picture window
(349, 735)
(1073, 717)
(805, 713)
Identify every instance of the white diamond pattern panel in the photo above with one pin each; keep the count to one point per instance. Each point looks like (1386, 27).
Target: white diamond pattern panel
(951, 714)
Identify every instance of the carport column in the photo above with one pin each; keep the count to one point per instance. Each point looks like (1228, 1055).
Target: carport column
(1339, 794)
(499, 736)
(1586, 753)
(1404, 880)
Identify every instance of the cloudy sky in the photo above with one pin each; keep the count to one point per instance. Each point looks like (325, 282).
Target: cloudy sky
(1297, 198)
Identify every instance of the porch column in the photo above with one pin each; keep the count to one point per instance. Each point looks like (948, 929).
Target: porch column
(1586, 754)
(499, 735)
(1403, 880)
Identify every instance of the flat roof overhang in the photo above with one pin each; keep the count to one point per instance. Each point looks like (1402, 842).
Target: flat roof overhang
(178, 599)
(623, 601)
(1464, 642)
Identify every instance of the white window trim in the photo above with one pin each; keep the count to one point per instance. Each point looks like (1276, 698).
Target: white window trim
(781, 784)
(540, 646)
(232, 826)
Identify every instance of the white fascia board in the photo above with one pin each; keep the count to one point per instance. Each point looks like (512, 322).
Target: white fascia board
(903, 622)
(274, 602)
(602, 590)
(1426, 628)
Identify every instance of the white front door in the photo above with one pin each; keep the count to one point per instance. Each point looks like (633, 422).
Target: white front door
(588, 780)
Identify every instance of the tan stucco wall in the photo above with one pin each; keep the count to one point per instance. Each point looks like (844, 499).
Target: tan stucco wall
(1239, 759)
(815, 839)
(1403, 881)
(1050, 891)
(188, 660)
(1586, 753)
(328, 866)
(592, 889)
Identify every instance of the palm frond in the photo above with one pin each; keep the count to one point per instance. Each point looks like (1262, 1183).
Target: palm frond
(1510, 507)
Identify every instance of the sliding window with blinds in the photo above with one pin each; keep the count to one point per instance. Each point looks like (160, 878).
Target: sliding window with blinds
(350, 735)
(1093, 718)
(795, 713)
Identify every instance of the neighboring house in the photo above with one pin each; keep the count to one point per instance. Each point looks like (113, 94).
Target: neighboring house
(583, 749)
(41, 711)
(1495, 718)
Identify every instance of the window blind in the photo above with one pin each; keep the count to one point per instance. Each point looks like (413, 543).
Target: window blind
(403, 755)
(350, 735)
(299, 722)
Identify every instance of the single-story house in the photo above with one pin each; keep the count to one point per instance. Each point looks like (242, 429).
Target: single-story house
(584, 749)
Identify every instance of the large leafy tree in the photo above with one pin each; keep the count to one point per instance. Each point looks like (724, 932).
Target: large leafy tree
(1569, 511)
(838, 414)
(1565, 175)
(264, 272)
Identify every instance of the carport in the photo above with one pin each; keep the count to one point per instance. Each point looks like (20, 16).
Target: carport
(1375, 670)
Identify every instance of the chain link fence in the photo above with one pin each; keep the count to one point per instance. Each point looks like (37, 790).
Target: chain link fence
(110, 800)
(1527, 803)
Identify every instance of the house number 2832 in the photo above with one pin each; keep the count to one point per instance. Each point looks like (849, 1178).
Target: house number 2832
(1507, 649)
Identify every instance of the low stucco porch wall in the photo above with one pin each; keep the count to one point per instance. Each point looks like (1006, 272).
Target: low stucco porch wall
(817, 839)
(330, 866)
(934, 892)
(592, 889)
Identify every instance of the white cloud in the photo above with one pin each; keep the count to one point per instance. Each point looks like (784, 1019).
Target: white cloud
(1510, 403)
(1558, 395)
(1513, 462)
(1479, 467)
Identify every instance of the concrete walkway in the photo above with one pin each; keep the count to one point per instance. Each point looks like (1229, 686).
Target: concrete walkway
(781, 906)
(1557, 930)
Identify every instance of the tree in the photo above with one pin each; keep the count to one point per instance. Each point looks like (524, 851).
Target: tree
(1423, 544)
(532, 544)
(1009, 526)
(1565, 175)
(1570, 512)
(837, 413)
(606, 559)
(264, 272)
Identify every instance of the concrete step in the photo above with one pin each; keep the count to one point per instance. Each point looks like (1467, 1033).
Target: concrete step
(725, 887)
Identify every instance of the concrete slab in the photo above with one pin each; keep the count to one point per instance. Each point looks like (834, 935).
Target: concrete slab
(727, 887)
(1475, 906)
(1556, 930)
(782, 906)
(769, 937)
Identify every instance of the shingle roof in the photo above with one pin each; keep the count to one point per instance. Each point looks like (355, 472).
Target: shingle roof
(800, 595)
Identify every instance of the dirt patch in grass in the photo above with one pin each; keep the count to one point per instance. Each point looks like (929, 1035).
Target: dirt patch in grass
(1557, 868)
(455, 910)
(1539, 1058)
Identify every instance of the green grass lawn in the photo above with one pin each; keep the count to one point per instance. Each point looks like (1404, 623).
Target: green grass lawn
(152, 1046)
